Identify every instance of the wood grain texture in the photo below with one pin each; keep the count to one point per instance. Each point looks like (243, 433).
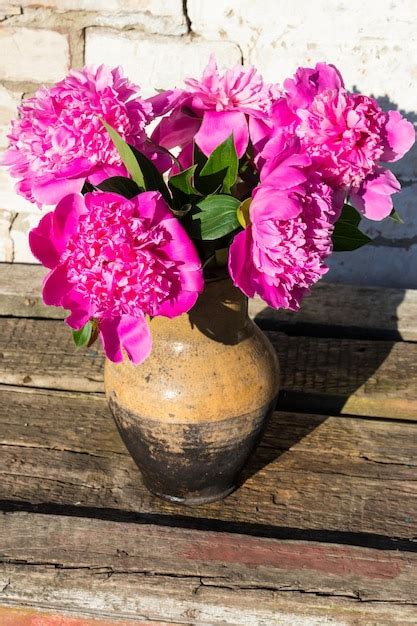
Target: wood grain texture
(339, 376)
(323, 529)
(215, 574)
(324, 474)
(34, 617)
(389, 312)
(20, 291)
(187, 601)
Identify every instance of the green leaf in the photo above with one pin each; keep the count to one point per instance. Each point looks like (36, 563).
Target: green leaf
(199, 159)
(184, 181)
(347, 236)
(350, 215)
(243, 216)
(214, 217)
(221, 168)
(182, 187)
(120, 184)
(153, 179)
(82, 337)
(396, 217)
(127, 155)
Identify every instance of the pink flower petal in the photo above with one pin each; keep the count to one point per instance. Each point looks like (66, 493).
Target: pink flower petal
(178, 129)
(108, 331)
(165, 101)
(101, 172)
(135, 337)
(240, 262)
(56, 286)
(52, 190)
(80, 307)
(129, 332)
(66, 217)
(259, 131)
(275, 204)
(217, 126)
(373, 197)
(308, 82)
(285, 174)
(43, 244)
(183, 302)
(400, 136)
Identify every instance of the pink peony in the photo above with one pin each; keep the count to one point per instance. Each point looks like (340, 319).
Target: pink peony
(281, 254)
(347, 135)
(211, 109)
(116, 260)
(308, 82)
(59, 140)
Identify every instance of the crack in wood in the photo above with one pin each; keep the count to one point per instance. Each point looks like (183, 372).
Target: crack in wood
(214, 582)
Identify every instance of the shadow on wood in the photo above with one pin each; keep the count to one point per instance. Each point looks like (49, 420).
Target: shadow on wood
(324, 377)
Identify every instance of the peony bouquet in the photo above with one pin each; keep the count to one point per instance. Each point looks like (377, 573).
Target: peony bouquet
(153, 196)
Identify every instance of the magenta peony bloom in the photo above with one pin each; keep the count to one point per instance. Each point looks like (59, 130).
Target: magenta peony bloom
(347, 135)
(59, 140)
(211, 109)
(281, 254)
(116, 260)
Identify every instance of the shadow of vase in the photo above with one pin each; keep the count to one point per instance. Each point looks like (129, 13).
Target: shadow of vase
(322, 367)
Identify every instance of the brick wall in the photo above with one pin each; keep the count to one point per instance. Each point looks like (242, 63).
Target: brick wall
(158, 42)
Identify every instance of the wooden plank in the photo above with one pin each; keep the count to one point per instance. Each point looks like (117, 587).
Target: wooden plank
(348, 377)
(34, 617)
(20, 291)
(82, 552)
(324, 475)
(389, 312)
(132, 595)
(353, 309)
(339, 376)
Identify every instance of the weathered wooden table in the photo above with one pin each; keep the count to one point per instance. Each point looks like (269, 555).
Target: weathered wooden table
(323, 530)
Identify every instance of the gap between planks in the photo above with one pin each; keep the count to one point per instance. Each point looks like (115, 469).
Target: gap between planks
(347, 480)
(116, 570)
(335, 375)
(347, 309)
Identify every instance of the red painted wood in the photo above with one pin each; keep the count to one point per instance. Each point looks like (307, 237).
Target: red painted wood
(335, 559)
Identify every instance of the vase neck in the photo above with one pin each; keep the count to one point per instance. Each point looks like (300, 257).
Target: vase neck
(220, 314)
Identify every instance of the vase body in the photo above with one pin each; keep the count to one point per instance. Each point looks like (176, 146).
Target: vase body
(192, 413)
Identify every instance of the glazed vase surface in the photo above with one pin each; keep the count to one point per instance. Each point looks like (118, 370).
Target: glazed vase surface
(193, 412)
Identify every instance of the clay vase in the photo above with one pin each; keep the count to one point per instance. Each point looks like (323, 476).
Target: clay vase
(192, 413)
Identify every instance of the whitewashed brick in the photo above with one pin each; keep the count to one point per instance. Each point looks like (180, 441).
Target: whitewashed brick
(7, 9)
(392, 260)
(159, 62)
(157, 7)
(245, 20)
(406, 168)
(382, 266)
(9, 199)
(379, 68)
(23, 223)
(33, 55)
(9, 100)
(6, 244)
(406, 205)
(154, 16)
